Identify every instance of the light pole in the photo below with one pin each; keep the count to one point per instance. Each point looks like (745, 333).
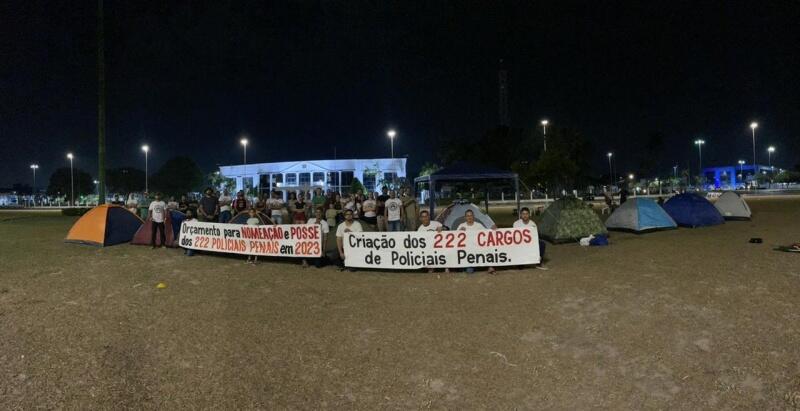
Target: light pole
(753, 127)
(71, 181)
(244, 143)
(770, 150)
(674, 176)
(146, 150)
(699, 143)
(34, 167)
(97, 190)
(391, 134)
(610, 171)
(630, 183)
(544, 133)
(741, 170)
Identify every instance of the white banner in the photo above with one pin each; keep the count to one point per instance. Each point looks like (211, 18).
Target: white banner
(286, 240)
(446, 249)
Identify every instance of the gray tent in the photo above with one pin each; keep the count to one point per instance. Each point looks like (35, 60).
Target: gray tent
(453, 215)
(640, 215)
(732, 206)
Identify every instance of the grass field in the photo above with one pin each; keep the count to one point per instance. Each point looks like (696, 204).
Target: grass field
(686, 319)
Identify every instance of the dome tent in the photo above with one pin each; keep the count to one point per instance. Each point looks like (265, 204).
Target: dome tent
(692, 210)
(452, 216)
(732, 206)
(104, 225)
(640, 215)
(145, 232)
(569, 219)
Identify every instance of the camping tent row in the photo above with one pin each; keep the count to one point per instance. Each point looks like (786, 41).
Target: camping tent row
(107, 225)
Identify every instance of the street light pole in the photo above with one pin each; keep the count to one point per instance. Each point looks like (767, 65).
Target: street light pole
(544, 133)
(753, 127)
(699, 144)
(391, 134)
(33, 191)
(770, 150)
(244, 143)
(610, 172)
(71, 181)
(146, 150)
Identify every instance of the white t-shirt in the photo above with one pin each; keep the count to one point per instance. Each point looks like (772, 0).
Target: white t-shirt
(369, 208)
(159, 211)
(253, 221)
(325, 227)
(355, 227)
(275, 205)
(225, 203)
(476, 226)
(393, 206)
(432, 226)
(520, 224)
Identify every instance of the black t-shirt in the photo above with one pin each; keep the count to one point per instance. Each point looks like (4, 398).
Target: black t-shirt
(381, 206)
(240, 204)
(209, 205)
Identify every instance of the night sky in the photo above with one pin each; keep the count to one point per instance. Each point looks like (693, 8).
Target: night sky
(300, 78)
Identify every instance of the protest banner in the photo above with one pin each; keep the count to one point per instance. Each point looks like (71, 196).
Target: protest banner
(285, 240)
(446, 249)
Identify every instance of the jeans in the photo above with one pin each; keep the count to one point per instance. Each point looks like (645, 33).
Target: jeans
(224, 216)
(394, 225)
(382, 223)
(277, 218)
(160, 227)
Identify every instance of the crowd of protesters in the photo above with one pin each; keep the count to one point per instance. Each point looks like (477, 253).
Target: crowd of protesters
(384, 211)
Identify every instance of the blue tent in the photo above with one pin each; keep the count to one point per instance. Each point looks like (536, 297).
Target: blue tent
(177, 218)
(692, 210)
(640, 215)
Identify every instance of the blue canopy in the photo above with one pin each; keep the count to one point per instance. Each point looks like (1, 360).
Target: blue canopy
(463, 171)
(692, 210)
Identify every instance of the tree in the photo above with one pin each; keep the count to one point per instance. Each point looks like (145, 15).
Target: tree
(357, 187)
(60, 183)
(428, 169)
(177, 176)
(125, 180)
(788, 176)
(217, 180)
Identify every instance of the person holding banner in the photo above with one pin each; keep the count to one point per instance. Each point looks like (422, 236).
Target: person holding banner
(471, 225)
(525, 221)
(426, 224)
(252, 220)
(325, 228)
(349, 225)
(208, 209)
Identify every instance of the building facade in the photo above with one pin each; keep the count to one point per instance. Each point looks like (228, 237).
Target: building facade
(734, 177)
(336, 175)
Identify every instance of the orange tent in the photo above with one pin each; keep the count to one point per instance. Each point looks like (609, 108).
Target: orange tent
(104, 225)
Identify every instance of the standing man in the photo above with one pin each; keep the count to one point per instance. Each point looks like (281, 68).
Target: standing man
(325, 228)
(349, 225)
(157, 212)
(208, 209)
(393, 211)
(318, 200)
(410, 209)
(380, 208)
(368, 210)
(225, 207)
(275, 206)
(471, 225)
(525, 221)
(426, 224)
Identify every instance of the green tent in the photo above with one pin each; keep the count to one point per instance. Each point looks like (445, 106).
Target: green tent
(569, 219)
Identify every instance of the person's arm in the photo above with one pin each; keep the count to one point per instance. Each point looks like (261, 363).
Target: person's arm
(340, 245)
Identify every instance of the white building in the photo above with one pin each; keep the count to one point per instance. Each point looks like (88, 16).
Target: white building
(306, 175)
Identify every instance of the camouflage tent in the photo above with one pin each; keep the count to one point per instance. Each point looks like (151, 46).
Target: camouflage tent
(569, 219)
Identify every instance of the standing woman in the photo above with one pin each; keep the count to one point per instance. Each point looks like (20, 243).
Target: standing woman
(299, 206)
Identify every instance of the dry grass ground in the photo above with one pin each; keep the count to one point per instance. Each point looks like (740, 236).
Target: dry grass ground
(683, 319)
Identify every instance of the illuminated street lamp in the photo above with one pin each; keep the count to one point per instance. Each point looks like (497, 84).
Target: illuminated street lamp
(610, 170)
(753, 127)
(146, 150)
(34, 167)
(770, 150)
(244, 142)
(391, 134)
(71, 180)
(699, 143)
(544, 133)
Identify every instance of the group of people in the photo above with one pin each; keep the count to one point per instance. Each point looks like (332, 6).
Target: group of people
(344, 213)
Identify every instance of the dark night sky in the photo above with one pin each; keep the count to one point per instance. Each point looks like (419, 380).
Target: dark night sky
(302, 77)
